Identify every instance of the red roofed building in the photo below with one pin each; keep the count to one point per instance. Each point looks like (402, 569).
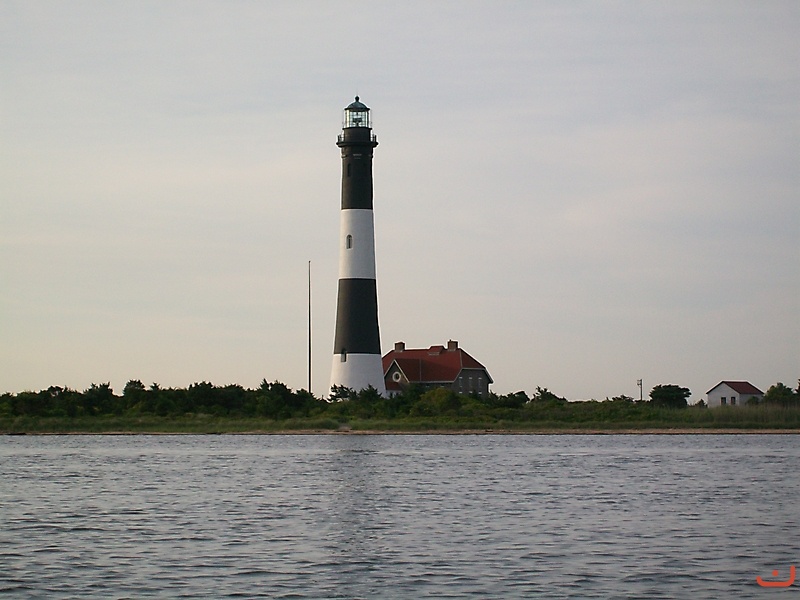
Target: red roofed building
(733, 393)
(433, 367)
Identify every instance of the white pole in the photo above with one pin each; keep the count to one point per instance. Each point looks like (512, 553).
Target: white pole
(309, 327)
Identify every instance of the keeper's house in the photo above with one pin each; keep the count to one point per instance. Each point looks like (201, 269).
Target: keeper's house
(732, 393)
(433, 367)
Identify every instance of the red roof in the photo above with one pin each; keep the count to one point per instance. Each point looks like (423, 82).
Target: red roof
(436, 364)
(740, 387)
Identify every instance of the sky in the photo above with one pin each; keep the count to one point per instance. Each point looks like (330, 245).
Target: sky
(582, 194)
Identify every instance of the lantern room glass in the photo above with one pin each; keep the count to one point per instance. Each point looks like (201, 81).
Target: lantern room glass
(356, 115)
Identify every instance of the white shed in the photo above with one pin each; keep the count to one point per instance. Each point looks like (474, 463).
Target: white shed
(732, 393)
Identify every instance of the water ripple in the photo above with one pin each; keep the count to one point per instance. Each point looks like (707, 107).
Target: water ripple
(396, 516)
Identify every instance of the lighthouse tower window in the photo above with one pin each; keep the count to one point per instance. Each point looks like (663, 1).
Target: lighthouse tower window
(348, 243)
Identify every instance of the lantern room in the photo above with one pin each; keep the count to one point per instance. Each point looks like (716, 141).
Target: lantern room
(356, 115)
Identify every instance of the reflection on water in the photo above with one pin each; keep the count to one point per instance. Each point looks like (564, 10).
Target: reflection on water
(352, 516)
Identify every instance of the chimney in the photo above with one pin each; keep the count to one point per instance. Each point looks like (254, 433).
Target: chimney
(399, 346)
(452, 345)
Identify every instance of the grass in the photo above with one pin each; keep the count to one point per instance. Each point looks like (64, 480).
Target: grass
(571, 419)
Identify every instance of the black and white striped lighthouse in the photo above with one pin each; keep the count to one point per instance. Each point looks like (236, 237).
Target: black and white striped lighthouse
(357, 345)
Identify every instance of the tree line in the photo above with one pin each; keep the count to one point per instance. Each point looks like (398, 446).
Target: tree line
(278, 402)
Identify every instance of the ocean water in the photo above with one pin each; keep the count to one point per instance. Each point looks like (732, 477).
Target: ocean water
(398, 516)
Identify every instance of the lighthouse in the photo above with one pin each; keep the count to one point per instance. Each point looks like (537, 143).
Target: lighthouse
(357, 343)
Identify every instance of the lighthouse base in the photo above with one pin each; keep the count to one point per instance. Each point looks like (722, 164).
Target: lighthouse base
(358, 372)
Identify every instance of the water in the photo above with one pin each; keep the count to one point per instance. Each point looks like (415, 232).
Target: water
(395, 516)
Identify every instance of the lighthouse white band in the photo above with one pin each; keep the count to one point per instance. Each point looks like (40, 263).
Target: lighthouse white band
(357, 254)
(358, 371)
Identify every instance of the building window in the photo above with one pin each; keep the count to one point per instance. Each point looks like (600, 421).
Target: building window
(348, 243)
(733, 400)
(723, 401)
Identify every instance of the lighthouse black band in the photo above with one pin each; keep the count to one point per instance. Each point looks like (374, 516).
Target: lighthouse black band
(357, 179)
(357, 318)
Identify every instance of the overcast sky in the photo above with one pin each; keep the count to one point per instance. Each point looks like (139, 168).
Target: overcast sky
(581, 193)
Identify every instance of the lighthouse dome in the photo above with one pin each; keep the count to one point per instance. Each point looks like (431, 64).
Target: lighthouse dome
(357, 105)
